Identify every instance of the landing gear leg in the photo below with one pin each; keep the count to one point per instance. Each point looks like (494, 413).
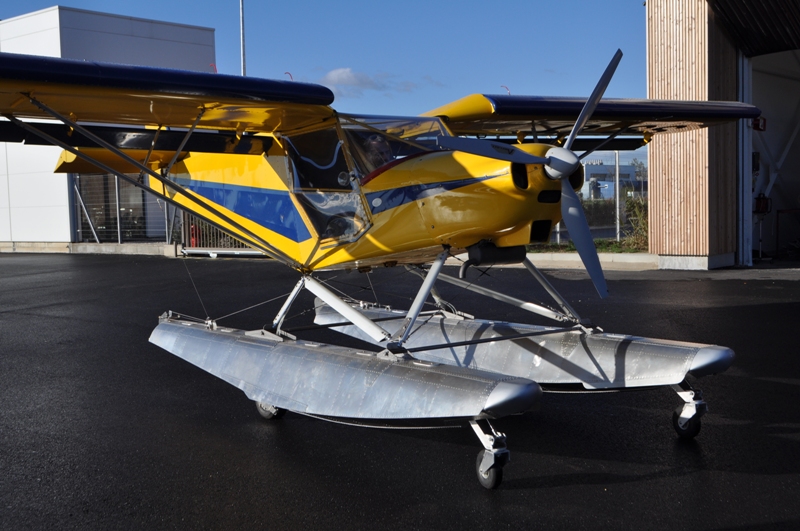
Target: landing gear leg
(491, 460)
(686, 418)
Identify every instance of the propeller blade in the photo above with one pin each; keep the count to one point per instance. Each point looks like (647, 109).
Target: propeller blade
(594, 99)
(578, 227)
(489, 149)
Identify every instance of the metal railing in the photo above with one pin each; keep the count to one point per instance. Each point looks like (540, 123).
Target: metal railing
(112, 210)
(605, 198)
(202, 238)
(198, 233)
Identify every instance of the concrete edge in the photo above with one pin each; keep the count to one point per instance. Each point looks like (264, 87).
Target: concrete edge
(149, 249)
(34, 247)
(609, 261)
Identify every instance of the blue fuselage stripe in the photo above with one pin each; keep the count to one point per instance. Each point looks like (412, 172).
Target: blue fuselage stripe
(395, 197)
(272, 209)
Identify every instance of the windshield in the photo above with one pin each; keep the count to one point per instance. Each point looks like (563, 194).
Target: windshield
(328, 164)
(376, 141)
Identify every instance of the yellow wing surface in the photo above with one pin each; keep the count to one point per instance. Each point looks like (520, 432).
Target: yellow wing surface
(225, 111)
(119, 94)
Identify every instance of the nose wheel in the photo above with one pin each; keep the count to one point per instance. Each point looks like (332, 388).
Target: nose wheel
(686, 418)
(685, 428)
(491, 478)
(494, 456)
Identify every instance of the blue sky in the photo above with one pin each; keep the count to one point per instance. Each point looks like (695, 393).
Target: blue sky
(410, 57)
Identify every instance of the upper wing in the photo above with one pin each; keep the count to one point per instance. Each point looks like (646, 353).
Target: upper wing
(482, 114)
(217, 109)
(134, 95)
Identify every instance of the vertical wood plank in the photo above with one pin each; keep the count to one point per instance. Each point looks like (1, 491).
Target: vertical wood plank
(692, 189)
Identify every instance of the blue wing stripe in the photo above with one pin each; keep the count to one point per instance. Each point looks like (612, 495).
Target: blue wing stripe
(272, 209)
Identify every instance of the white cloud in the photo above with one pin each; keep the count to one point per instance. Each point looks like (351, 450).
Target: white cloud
(347, 83)
(433, 81)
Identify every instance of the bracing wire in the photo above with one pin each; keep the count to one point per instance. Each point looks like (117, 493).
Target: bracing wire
(374, 293)
(195, 289)
(254, 306)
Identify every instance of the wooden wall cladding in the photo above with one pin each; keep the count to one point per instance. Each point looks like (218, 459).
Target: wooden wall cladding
(692, 188)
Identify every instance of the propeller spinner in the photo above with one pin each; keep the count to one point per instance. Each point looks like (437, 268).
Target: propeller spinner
(559, 164)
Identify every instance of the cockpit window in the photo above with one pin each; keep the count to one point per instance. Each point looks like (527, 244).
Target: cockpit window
(317, 159)
(375, 141)
(322, 185)
(326, 166)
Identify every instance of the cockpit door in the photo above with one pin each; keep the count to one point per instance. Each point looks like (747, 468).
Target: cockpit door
(325, 185)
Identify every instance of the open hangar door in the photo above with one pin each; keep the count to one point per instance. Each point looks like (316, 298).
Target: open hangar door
(776, 155)
(767, 36)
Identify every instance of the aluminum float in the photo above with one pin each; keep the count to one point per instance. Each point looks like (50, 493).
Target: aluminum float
(328, 380)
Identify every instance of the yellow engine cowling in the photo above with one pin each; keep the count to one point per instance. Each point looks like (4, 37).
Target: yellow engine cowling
(462, 198)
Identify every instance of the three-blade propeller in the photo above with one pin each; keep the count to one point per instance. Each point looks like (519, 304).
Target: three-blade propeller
(559, 164)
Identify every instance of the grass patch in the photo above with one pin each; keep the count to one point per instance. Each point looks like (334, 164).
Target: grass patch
(635, 236)
(603, 246)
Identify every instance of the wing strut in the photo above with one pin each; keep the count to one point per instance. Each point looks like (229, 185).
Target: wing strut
(256, 241)
(92, 136)
(150, 151)
(183, 142)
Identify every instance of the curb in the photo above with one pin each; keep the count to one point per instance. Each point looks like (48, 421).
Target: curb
(609, 261)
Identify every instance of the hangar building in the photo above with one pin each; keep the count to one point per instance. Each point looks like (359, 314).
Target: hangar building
(706, 207)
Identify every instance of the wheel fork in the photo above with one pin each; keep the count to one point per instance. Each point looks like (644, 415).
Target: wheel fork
(694, 404)
(495, 454)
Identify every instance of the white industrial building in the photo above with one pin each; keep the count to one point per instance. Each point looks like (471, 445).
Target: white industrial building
(39, 210)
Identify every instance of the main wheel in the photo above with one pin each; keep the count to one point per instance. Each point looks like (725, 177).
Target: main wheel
(690, 429)
(493, 476)
(269, 412)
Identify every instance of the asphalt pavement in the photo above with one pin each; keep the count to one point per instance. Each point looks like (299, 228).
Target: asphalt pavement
(101, 430)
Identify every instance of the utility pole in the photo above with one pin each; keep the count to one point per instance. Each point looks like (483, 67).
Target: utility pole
(616, 192)
(241, 33)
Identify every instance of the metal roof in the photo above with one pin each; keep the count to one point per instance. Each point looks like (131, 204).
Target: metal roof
(760, 27)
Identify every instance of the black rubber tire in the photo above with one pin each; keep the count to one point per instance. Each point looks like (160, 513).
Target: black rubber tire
(267, 414)
(493, 477)
(690, 430)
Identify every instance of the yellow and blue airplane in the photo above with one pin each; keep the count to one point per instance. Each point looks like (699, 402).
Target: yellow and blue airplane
(274, 165)
(297, 180)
